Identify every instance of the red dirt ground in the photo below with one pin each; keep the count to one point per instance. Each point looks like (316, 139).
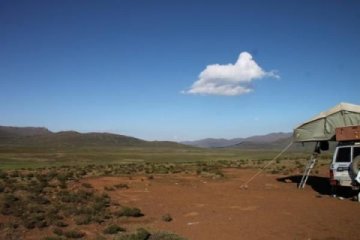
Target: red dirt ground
(205, 209)
(219, 209)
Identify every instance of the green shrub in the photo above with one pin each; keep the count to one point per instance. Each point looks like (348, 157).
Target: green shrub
(81, 172)
(10, 203)
(36, 187)
(53, 238)
(61, 224)
(74, 234)
(29, 224)
(30, 175)
(3, 174)
(83, 219)
(34, 220)
(113, 229)
(140, 234)
(74, 197)
(62, 180)
(165, 236)
(86, 185)
(107, 188)
(10, 199)
(121, 186)
(58, 231)
(167, 218)
(14, 174)
(100, 203)
(39, 199)
(129, 212)
(100, 218)
(275, 171)
(12, 225)
(99, 237)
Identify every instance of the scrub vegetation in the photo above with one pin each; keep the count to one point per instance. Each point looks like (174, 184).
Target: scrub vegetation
(42, 189)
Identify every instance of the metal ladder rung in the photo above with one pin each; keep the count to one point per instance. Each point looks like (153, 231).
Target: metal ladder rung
(310, 165)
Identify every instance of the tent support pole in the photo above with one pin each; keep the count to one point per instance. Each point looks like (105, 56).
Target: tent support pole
(309, 166)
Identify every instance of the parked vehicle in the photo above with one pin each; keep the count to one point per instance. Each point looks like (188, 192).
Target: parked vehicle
(341, 124)
(344, 168)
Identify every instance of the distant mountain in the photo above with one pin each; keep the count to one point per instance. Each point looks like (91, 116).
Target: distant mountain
(272, 141)
(22, 131)
(251, 142)
(42, 137)
(214, 142)
(266, 144)
(268, 138)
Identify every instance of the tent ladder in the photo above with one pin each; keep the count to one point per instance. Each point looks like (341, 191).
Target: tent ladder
(309, 166)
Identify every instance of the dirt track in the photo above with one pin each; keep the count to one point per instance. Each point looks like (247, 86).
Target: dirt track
(219, 209)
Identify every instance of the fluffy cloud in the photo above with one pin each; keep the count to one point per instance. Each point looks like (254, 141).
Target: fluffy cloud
(230, 79)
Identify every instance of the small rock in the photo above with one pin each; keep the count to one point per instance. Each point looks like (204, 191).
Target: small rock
(192, 223)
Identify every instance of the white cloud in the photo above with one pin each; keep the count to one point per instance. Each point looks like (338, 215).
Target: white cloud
(229, 79)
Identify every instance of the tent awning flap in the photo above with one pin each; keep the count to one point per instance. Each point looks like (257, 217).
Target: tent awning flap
(322, 127)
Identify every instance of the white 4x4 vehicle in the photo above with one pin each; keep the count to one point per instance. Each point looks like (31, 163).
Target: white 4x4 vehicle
(344, 169)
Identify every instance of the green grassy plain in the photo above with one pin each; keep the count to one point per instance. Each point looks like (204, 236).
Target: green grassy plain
(30, 157)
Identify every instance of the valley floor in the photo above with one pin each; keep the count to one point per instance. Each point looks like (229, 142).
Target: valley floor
(271, 208)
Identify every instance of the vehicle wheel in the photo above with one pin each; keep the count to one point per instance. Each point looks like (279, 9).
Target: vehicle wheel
(354, 167)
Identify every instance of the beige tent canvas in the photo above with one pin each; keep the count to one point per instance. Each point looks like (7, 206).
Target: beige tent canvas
(322, 127)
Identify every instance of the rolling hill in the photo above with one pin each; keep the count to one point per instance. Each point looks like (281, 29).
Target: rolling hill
(42, 137)
(272, 141)
(260, 141)
(22, 131)
(33, 137)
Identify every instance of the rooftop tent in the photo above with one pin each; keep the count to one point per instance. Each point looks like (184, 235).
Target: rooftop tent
(322, 127)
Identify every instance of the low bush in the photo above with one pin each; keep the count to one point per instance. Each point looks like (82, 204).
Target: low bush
(3, 174)
(74, 234)
(86, 185)
(121, 186)
(167, 218)
(113, 229)
(109, 188)
(129, 212)
(83, 219)
(165, 236)
(53, 238)
(58, 231)
(140, 234)
(61, 224)
(38, 199)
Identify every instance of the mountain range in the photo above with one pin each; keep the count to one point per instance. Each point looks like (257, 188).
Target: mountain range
(265, 141)
(42, 137)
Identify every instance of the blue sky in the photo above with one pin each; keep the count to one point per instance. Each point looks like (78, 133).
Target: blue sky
(129, 66)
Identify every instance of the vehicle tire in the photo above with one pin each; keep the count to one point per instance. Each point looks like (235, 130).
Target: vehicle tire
(354, 167)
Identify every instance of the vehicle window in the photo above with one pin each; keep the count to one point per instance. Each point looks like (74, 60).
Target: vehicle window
(343, 154)
(356, 152)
